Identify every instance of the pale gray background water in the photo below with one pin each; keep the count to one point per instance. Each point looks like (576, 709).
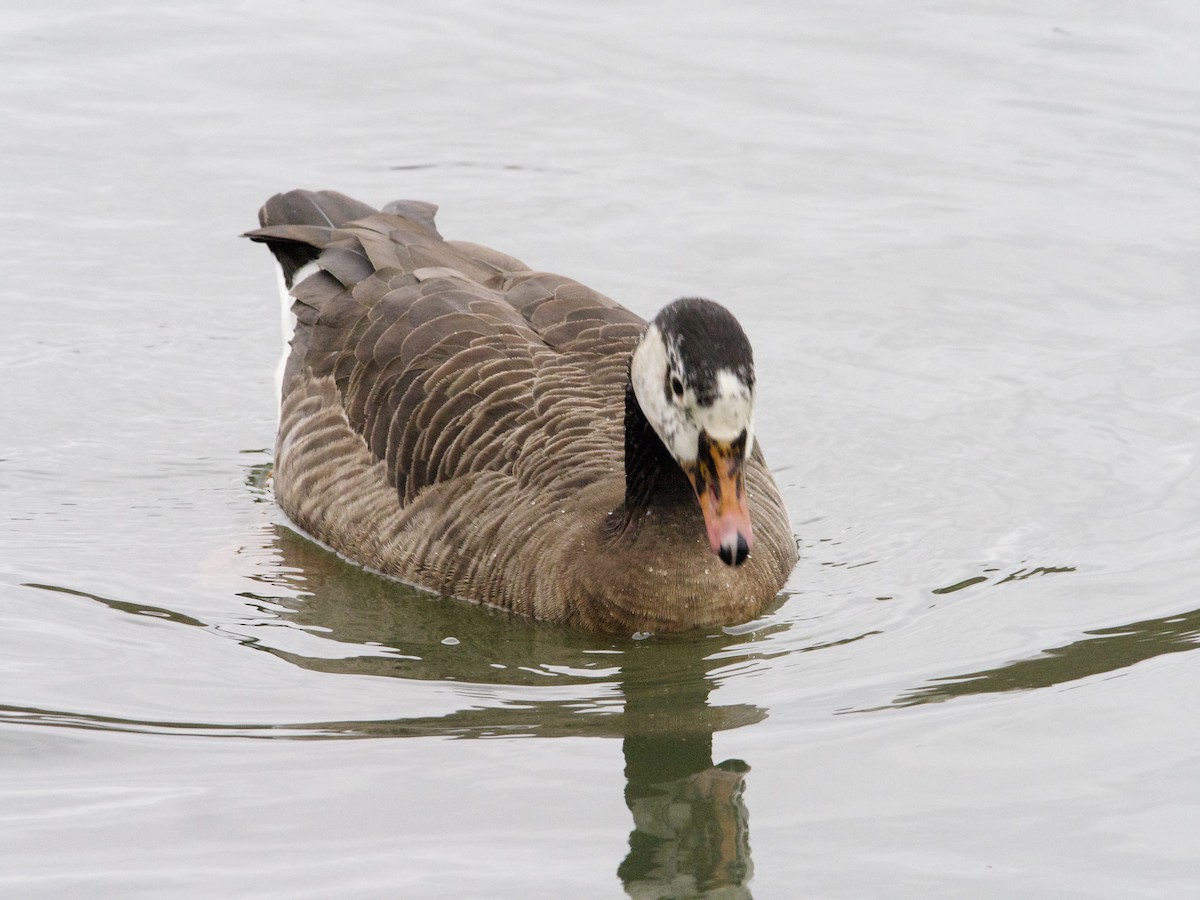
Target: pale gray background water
(963, 239)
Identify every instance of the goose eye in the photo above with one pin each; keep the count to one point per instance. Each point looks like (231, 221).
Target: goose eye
(677, 387)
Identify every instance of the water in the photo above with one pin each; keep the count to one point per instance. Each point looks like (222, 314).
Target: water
(962, 238)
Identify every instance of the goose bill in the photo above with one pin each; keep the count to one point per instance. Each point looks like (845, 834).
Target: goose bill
(719, 481)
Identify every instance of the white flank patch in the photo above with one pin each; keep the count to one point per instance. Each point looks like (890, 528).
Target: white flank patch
(287, 319)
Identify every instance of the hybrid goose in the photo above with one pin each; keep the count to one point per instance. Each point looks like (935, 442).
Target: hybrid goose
(456, 421)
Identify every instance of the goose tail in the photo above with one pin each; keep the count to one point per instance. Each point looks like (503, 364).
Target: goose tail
(297, 226)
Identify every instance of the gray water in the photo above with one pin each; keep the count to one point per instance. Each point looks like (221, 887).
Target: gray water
(963, 240)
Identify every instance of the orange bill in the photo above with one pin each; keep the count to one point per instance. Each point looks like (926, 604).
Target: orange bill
(720, 484)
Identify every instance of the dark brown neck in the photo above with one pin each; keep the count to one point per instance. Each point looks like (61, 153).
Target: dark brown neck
(653, 478)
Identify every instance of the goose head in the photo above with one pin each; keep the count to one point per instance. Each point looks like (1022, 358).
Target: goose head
(693, 376)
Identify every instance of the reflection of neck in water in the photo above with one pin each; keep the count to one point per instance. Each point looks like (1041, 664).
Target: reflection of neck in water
(691, 834)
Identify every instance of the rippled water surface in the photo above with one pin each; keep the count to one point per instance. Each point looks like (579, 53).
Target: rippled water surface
(963, 240)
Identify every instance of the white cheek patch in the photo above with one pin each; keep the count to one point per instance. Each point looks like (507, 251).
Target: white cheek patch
(648, 372)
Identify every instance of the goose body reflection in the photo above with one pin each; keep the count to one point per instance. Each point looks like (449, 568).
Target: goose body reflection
(455, 420)
(690, 821)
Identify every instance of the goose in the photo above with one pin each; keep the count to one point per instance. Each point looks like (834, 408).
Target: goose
(454, 420)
